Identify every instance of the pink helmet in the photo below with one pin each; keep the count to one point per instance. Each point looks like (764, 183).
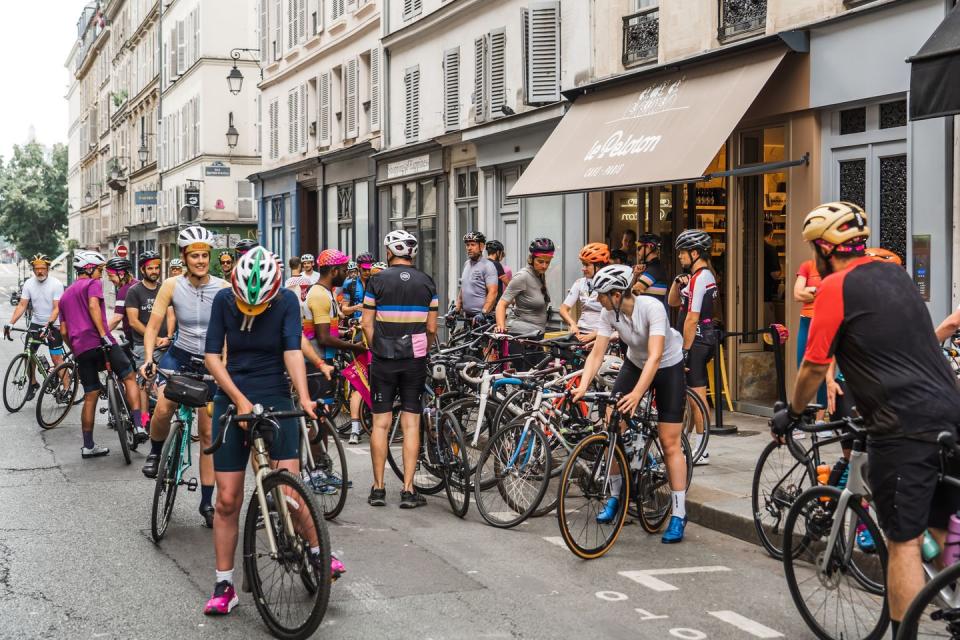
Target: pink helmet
(332, 258)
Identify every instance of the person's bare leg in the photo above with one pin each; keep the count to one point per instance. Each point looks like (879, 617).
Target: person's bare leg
(226, 520)
(411, 447)
(378, 446)
(904, 575)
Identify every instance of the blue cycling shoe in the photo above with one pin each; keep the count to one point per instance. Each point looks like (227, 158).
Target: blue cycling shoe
(674, 532)
(865, 540)
(609, 511)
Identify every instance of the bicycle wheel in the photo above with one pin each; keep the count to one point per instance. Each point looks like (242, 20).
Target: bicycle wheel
(328, 475)
(930, 615)
(778, 480)
(290, 595)
(654, 495)
(512, 474)
(696, 406)
(584, 491)
(844, 599)
(454, 464)
(57, 395)
(167, 483)
(466, 411)
(117, 419)
(427, 479)
(16, 382)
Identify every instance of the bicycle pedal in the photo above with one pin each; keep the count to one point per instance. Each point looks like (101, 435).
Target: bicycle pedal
(191, 484)
(103, 409)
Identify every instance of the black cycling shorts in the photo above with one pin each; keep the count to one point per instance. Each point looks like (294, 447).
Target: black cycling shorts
(91, 363)
(701, 354)
(902, 474)
(669, 389)
(54, 340)
(234, 453)
(390, 378)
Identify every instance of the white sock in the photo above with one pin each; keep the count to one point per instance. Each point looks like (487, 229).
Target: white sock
(616, 483)
(315, 550)
(225, 576)
(680, 504)
(355, 427)
(695, 441)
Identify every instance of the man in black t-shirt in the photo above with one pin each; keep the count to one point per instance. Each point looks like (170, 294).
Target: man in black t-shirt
(138, 304)
(399, 322)
(650, 276)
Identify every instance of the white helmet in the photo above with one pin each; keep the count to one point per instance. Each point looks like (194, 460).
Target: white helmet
(83, 260)
(609, 369)
(614, 277)
(256, 281)
(195, 235)
(402, 244)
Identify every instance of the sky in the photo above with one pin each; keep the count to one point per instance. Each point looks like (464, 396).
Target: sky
(35, 39)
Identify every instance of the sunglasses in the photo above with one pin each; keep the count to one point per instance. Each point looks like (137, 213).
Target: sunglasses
(226, 262)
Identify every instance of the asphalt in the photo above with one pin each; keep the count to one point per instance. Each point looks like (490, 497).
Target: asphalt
(76, 559)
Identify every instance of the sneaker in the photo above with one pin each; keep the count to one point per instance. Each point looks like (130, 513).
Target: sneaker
(321, 482)
(864, 540)
(354, 438)
(95, 452)
(151, 465)
(378, 497)
(704, 460)
(411, 500)
(207, 511)
(223, 600)
(609, 510)
(140, 435)
(32, 391)
(674, 532)
(336, 568)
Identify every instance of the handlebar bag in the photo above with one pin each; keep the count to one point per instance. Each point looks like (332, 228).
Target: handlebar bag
(186, 391)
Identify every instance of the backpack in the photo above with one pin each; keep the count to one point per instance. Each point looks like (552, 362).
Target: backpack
(500, 273)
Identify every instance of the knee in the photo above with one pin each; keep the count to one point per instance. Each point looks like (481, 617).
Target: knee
(905, 548)
(228, 503)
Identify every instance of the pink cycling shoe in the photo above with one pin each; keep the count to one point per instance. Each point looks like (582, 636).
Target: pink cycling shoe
(223, 600)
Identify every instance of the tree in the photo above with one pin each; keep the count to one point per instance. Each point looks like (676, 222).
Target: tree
(33, 199)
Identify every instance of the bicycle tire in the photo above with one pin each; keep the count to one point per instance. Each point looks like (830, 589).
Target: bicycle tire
(54, 402)
(654, 505)
(814, 513)
(689, 429)
(497, 503)
(919, 622)
(427, 479)
(586, 461)
(15, 383)
(773, 491)
(513, 400)
(332, 460)
(317, 588)
(456, 467)
(117, 420)
(464, 410)
(167, 483)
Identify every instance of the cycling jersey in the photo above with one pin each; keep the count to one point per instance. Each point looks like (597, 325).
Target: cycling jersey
(299, 284)
(590, 307)
(699, 295)
(192, 307)
(42, 296)
(313, 277)
(654, 276)
(120, 306)
(649, 318)
(871, 317)
(476, 277)
(353, 290)
(321, 307)
(142, 299)
(74, 307)
(403, 298)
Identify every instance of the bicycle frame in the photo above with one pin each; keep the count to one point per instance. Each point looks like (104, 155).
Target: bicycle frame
(185, 415)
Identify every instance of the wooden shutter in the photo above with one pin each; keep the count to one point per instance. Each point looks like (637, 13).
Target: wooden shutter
(323, 105)
(498, 71)
(196, 126)
(411, 83)
(258, 127)
(277, 29)
(351, 99)
(375, 89)
(293, 137)
(480, 79)
(291, 25)
(181, 48)
(196, 35)
(542, 68)
(303, 117)
(274, 116)
(451, 89)
(301, 21)
(264, 31)
(411, 8)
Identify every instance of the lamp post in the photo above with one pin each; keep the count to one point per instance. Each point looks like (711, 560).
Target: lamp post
(143, 152)
(233, 135)
(235, 77)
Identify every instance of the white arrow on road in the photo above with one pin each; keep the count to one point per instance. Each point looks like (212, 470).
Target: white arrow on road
(647, 579)
(752, 627)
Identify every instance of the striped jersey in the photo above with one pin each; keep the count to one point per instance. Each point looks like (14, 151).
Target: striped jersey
(402, 297)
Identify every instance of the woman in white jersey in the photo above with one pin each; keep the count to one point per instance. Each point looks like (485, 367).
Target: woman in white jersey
(593, 257)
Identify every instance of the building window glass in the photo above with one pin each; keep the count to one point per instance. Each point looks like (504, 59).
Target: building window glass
(893, 114)
(853, 121)
(853, 181)
(414, 207)
(345, 218)
(893, 205)
(467, 181)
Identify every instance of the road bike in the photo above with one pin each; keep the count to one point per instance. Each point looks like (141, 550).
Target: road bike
(117, 410)
(58, 393)
(23, 369)
(323, 462)
(290, 590)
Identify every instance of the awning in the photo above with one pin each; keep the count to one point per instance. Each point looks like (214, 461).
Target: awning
(935, 72)
(667, 129)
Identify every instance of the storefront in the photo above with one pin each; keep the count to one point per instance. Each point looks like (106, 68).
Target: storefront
(284, 199)
(348, 200)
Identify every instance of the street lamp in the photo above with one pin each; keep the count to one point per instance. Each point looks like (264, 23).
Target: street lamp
(142, 153)
(235, 77)
(233, 136)
(88, 196)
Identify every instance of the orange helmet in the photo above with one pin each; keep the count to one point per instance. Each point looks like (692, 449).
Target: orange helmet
(883, 255)
(595, 253)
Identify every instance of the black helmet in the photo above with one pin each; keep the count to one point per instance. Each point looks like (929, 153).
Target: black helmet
(649, 238)
(245, 245)
(365, 258)
(494, 246)
(542, 245)
(146, 257)
(693, 239)
(119, 264)
(474, 236)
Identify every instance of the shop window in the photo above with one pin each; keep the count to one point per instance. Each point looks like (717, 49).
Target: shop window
(853, 181)
(465, 200)
(414, 207)
(853, 121)
(345, 218)
(893, 114)
(893, 204)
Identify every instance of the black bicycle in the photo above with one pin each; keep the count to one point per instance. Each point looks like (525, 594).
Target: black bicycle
(118, 413)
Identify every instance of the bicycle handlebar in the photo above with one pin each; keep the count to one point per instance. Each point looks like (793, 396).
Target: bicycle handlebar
(259, 415)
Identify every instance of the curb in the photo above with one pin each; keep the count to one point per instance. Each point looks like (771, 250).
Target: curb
(722, 521)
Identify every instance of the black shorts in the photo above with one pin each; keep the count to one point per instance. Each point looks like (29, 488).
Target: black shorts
(669, 389)
(54, 339)
(321, 389)
(406, 378)
(701, 354)
(902, 474)
(91, 363)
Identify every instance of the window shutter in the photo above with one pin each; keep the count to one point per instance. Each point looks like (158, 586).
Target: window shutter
(196, 34)
(291, 25)
(542, 68)
(293, 138)
(375, 89)
(351, 99)
(196, 126)
(302, 21)
(498, 71)
(451, 89)
(274, 116)
(303, 126)
(323, 104)
(258, 127)
(181, 48)
(480, 79)
(411, 8)
(411, 81)
(277, 29)
(264, 31)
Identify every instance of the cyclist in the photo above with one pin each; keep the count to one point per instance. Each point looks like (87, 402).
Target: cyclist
(42, 292)
(871, 318)
(654, 361)
(191, 298)
(650, 277)
(120, 274)
(400, 324)
(593, 257)
(496, 254)
(296, 282)
(528, 294)
(226, 264)
(695, 292)
(175, 268)
(257, 321)
(352, 269)
(244, 245)
(353, 288)
(479, 282)
(307, 271)
(377, 268)
(83, 320)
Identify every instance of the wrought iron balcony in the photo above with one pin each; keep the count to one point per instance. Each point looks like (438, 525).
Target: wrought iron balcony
(738, 17)
(641, 36)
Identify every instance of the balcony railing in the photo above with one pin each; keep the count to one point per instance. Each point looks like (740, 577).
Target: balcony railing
(738, 17)
(641, 36)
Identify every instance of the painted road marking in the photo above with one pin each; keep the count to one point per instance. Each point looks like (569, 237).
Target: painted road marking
(646, 578)
(359, 452)
(557, 540)
(752, 627)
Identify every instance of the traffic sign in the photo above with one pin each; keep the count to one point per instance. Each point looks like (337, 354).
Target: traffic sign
(122, 251)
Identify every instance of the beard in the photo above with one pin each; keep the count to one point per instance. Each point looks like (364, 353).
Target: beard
(339, 278)
(39, 279)
(824, 267)
(153, 277)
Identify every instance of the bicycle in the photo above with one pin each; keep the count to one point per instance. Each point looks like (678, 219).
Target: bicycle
(323, 462)
(118, 413)
(276, 548)
(58, 393)
(22, 370)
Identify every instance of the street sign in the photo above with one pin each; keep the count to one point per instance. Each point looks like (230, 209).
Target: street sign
(192, 197)
(145, 198)
(217, 169)
(122, 251)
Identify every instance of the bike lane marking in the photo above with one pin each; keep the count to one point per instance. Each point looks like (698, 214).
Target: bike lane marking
(743, 623)
(557, 540)
(647, 579)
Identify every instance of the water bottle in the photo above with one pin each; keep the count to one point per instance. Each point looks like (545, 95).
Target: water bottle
(951, 548)
(837, 474)
(930, 549)
(44, 361)
(823, 473)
